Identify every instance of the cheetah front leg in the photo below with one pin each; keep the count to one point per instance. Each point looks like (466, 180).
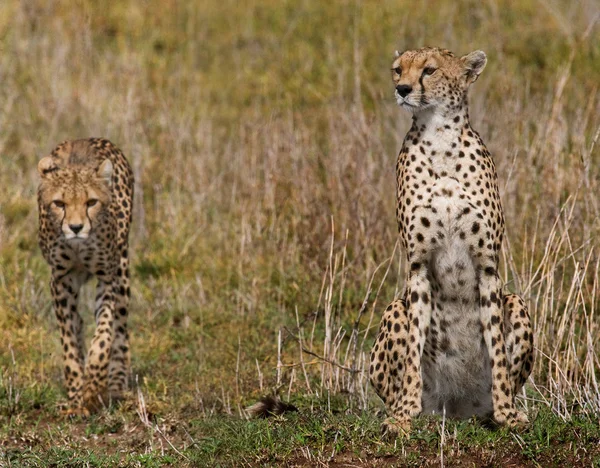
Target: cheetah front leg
(388, 358)
(118, 370)
(492, 319)
(406, 403)
(418, 303)
(518, 340)
(65, 290)
(98, 358)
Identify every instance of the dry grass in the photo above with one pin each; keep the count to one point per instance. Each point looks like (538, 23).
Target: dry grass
(263, 137)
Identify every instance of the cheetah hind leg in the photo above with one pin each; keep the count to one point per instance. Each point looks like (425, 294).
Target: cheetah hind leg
(119, 368)
(387, 365)
(519, 344)
(96, 368)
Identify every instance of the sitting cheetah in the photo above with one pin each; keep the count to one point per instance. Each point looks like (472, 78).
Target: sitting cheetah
(454, 342)
(85, 202)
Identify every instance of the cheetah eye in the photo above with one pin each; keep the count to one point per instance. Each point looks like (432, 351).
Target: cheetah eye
(429, 71)
(91, 202)
(397, 70)
(59, 204)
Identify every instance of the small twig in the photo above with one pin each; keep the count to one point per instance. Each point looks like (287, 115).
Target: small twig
(157, 429)
(329, 361)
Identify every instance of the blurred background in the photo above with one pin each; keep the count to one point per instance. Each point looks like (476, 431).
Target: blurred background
(263, 137)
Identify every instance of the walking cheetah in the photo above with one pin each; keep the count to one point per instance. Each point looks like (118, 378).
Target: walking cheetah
(454, 342)
(85, 202)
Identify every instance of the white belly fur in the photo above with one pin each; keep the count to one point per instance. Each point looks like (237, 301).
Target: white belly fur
(461, 373)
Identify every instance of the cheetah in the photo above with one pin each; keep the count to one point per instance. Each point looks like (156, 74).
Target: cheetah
(454, 342)
(85, 207)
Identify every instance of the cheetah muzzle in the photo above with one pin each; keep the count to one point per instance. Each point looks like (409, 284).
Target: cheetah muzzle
(454, 342)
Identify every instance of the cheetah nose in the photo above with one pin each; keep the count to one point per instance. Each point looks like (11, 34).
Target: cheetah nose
(404, 90)
(75, 228)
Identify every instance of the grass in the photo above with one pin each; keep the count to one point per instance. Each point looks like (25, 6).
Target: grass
(311, 437)
(263, 138)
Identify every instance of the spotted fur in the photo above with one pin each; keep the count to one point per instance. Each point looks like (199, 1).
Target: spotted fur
(454, 342)
(85, 204)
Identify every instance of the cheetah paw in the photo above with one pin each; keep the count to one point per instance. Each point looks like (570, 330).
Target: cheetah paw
(395, 428)
(519, 420)
(513, 419)
(77, 412)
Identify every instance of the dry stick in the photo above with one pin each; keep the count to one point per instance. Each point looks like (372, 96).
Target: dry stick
(561, 377)
(547, 249)
(279, 364)
(552, 265)
(143, 415)
(364, 380)
(575, 284)
(443, 436)
(540, 390)
(237, 371)
(326, 376)
(300, 345)
(511, 169)
(551, 316)
(292, 378)
(333, 363)
(260, 375)
(533, 250)
(316, 314)
(563, 323)
(588, 369)
(510, 263)
(337, 342)
(343, 274)
(579, 319)
(157, 429)
(348, 386)
(293, 365)
(141, 405)
(337, 433)
(586, 321)
(369, 324)
(574, 299)
(353, 343)
(593, 362)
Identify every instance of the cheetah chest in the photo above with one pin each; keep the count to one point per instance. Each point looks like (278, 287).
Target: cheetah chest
(455, 365)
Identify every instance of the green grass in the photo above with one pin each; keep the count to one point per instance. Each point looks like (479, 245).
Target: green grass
(305, 438)
(263, 137)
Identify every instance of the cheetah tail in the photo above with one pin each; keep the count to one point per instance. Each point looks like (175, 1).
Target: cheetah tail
(269, 406)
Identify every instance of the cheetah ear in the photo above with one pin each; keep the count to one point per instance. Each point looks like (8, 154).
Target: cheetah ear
(474, 64)
(105, 170)
(46, 166)
(397, 53)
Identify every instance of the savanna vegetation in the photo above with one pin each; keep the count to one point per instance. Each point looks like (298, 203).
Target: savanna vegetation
(263, 137)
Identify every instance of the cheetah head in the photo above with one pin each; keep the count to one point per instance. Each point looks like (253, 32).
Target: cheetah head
(432, 78)
(74, 197)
